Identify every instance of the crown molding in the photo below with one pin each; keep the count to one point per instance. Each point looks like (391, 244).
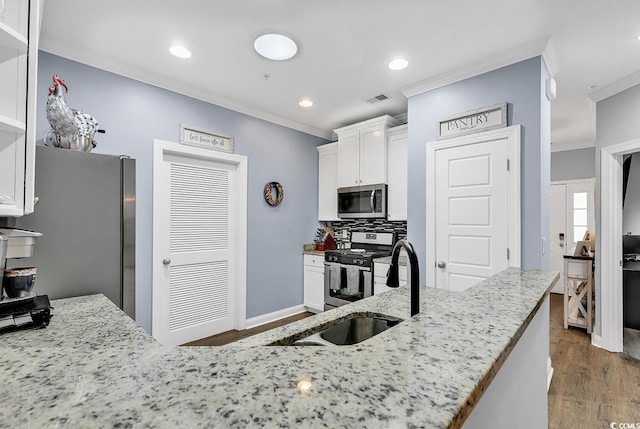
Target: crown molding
(102, 64)
(550, 58)
(520, 53)
(615, 87)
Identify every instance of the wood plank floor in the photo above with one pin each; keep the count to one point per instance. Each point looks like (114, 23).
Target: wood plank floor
(590, 388)
(231, 336)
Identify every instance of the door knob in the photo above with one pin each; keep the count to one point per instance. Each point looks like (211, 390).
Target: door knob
(441, 264)
(166, 261)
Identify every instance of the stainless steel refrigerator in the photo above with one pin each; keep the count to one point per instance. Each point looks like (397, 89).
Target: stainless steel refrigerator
(86, 213)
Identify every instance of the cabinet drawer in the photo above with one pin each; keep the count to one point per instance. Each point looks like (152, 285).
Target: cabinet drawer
(314, 261)
(380, 270)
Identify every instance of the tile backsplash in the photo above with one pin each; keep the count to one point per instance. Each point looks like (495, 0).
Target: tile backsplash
(365, 225)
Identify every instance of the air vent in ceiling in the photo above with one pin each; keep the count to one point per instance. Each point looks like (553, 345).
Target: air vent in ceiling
(377, 98)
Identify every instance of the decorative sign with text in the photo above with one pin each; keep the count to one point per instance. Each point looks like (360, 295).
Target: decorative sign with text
(194, 137)
(474, 121)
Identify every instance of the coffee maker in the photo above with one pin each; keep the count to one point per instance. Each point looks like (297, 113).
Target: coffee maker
(29, 309)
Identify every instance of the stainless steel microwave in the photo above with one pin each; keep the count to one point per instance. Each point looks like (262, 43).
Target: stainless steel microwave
(369, 201)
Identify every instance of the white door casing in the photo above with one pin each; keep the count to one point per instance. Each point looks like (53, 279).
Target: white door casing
(199, 243)
(608, 257)
(473, 207)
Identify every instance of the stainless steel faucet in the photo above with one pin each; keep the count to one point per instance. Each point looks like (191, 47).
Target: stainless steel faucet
(414, 275)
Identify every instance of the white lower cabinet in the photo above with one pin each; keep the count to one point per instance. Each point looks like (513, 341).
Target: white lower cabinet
(314, 283)
(380, 277)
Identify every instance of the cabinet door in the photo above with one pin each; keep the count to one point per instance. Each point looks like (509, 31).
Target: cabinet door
(349, 159)
(314, 288)
(373, 155)
(328, 182)
(397, 176)
(18, 66)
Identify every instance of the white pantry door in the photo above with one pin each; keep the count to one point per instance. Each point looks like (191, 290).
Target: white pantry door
(475, 207)
(197, 205)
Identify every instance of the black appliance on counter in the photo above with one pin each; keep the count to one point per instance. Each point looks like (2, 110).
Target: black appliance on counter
(30, 312)
(631, 281)
(348, 273)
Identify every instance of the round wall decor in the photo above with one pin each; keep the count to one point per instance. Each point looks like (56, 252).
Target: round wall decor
(268, 193)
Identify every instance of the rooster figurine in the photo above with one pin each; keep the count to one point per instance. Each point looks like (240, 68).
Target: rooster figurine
(72, 128)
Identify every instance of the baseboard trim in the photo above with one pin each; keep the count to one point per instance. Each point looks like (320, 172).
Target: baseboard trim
(549, 373)
(596, 340)
(276, 315)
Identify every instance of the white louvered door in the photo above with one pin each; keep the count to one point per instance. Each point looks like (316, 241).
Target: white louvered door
(194, 293)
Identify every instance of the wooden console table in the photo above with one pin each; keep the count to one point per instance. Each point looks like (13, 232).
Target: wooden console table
(578, 291)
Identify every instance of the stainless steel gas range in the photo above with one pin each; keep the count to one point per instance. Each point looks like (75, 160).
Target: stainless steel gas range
(348, 273)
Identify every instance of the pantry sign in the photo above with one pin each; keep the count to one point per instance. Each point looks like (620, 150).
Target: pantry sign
(474, 121)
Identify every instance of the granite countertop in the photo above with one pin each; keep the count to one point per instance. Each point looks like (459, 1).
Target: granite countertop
(93, 367)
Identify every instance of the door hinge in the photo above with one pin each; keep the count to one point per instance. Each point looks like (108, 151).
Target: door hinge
(507, 253)
(508, 165)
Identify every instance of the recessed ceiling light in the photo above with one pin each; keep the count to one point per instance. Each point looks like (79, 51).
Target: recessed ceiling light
(275, 46)
(398, 64)
(180, 51)
(305, 103)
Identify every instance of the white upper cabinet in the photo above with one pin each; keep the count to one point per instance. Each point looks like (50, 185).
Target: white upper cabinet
(328, 182)
(362, 152)
(19, 34)
(397, 173)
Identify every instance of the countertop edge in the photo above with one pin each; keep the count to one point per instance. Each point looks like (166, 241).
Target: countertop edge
(475, 396)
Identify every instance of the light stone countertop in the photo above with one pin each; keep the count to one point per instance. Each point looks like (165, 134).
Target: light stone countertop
(93, 367)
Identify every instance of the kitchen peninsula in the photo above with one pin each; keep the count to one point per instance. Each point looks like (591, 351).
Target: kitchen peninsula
(93, 367)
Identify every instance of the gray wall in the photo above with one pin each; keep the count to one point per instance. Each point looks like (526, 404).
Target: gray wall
(631, 210)
(135, 113)
(573, 164)
(617, 118)
(522, 86)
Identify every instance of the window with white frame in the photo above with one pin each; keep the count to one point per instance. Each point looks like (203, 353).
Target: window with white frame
(580, 215)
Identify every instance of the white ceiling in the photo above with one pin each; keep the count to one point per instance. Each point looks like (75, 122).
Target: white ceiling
(345, 46)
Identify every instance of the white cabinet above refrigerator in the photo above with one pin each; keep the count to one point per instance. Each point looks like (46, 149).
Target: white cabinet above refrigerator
(19, 33)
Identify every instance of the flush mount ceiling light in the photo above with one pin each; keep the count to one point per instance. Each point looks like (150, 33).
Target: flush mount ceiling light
(180, 51)
(305, 103)
(274, 46)
(398, 64)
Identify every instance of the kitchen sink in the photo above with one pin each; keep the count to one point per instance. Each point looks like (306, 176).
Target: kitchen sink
(357, 327)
